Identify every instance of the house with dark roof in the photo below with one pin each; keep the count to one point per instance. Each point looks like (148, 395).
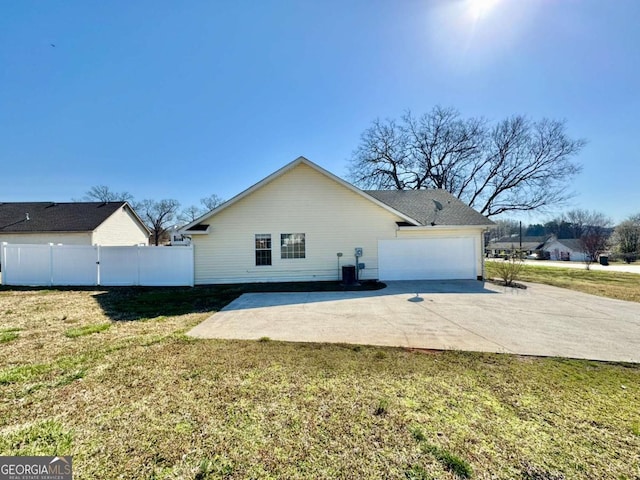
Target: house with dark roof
(507, 246)
(71, 223)
(303, 223)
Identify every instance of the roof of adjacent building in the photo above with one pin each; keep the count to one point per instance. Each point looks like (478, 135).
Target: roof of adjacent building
(430, 207)
(571, 243)
(528, 243)
(32, 217)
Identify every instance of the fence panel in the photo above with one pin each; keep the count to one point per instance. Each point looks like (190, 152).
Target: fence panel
(119, 266)
(166, 266)
(74, 265)
(81, 265)
(26, 265)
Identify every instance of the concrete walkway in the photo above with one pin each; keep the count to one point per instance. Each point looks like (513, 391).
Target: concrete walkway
(459, 315)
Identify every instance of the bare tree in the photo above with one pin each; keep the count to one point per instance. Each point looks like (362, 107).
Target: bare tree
(578, 221)
(595, 236)
(158, 215)
(515, 165)
(189, 214)
(211, 202)
(505, 227)
(102, 193)
(626, 237)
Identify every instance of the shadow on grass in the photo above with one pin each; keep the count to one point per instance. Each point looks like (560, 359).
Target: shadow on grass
(136, 303)
(139, 303)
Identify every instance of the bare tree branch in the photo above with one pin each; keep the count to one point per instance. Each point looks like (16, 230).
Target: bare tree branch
(516, 165)
(211, 202)
(102, 193)
(158, 215)
(595, 233)
(627, 238)
(189, 214)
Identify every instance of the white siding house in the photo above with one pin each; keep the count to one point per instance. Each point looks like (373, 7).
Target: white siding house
(565, 249)
(72, 223)
(66, 238)
(293, 225)
(122, 227)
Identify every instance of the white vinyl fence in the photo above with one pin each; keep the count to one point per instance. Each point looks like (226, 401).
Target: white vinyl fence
(84, 265)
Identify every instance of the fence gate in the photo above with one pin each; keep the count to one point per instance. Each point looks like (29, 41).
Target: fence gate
(85, 265)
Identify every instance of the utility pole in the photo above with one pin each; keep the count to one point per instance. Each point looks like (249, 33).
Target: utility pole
(521, 235)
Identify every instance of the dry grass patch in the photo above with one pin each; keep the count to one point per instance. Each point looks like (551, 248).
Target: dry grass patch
(141, 400)
(618, 285)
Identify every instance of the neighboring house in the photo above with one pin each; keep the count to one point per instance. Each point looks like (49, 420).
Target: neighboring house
(565, 249)
(177, 238)
(73, 223)
(303, 223)
(507, 246)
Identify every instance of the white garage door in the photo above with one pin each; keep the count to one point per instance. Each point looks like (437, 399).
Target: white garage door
(427, 259)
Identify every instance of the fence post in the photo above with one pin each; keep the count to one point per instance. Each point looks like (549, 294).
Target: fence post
(3, 261)
(51, 264)
(138, 264)
(98, 280)
(192, 263)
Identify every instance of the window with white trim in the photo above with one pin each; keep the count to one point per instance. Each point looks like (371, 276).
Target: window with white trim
(292, 245)
(263, 249)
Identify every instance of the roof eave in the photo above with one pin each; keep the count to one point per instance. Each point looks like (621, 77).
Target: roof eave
(194, 232)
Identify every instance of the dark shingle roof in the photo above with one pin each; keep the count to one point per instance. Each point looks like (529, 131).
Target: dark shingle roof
(420, 205)
(54, 217)
(528, 243)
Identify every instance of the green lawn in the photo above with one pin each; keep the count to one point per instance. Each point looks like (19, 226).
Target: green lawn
(619, 285)
(140, 400)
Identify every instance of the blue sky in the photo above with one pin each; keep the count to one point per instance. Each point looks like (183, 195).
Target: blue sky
(169, 99)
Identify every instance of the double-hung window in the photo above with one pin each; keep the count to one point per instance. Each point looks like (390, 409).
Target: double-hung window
(263, 249)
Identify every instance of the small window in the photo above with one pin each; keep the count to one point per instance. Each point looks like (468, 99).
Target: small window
(292, 245)
(263, 249)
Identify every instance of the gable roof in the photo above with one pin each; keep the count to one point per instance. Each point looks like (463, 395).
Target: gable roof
(189, 228)
(573, 244)
(421, 205)
(416, 208)
(57, 217)
(528, 243)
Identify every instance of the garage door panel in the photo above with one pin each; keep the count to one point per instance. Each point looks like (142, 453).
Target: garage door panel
(427, 259)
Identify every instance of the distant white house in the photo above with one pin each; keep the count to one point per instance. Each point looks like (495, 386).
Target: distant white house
(72, 223)
(507, 246)
(569, 249)
(565, 249)
(177, 238)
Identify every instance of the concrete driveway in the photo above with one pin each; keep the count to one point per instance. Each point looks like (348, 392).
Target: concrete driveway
(458, 315)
